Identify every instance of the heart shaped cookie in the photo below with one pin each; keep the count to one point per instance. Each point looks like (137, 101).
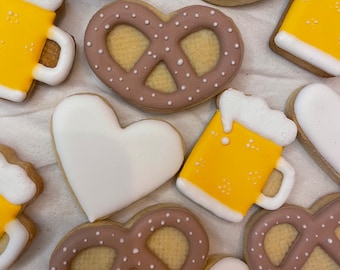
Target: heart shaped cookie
(163, 63)
(315, 109)
(106, 166)
(295, 238)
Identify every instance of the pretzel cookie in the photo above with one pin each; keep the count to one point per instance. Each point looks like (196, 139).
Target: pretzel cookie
(19, 184)
(109, 167)
(25, 28)
(163, 63)
(307, 36)
(167, 237)
(295, 238)
(315, 109)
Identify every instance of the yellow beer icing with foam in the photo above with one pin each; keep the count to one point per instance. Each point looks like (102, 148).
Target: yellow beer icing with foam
(231, 167)
(23, 33)
(8, 212)
(315, 22)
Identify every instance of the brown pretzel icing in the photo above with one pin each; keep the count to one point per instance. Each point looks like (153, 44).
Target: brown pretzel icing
(314, 230)
(164, 46)
(130, 244)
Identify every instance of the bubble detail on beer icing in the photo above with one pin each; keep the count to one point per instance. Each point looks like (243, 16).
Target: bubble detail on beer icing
(255, 114)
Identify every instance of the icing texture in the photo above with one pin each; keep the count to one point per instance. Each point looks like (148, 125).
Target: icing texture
(309, 33)
(109, 167)
(314, 230)
(316, 109)
(17, 188)
(164, 47)
(130, 244)
(24, 29)
(229, 166)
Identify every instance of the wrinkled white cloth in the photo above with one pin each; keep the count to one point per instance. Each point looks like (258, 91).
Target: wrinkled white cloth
(26, 128)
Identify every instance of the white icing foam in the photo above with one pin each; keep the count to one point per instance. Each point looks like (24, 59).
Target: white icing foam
(15, 185)
(254, 113)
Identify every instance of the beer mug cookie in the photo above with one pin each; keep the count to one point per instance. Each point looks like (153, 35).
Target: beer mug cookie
(19, 184)
(235, 155)
(165, 237)
(307, 35)
(160, 62)
(293, 237)
(25, 26)
(315, 109)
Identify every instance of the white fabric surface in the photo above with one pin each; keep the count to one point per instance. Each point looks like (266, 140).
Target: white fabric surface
(26, 128)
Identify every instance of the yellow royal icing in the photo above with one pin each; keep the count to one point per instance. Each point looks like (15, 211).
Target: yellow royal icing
(316, 23)
(231, 167)
(23, 33)
(8, 212)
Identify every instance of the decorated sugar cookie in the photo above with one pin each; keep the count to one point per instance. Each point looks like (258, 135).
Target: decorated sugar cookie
(160, 62)
(109, 167)
(235, 155)
(295, 238)
(230, 3)
(25, 27)
(19, 184)
(315, 109)
(307, 36)
(160, 237)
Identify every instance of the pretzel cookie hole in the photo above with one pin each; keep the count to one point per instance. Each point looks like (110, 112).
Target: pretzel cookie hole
(126, 45)
(100, 258)
(278, 241)
(3, 242)
(202, 49)
(169, 245)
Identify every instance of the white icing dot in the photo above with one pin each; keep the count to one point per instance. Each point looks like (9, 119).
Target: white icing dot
(121, 240)
(125, 259)
(100, 51)
(331, 217)
(109, 68)
(117, 16)
(180, 62)
(101, 242)
(150, 221)
(330, 241)
(160, 25)
(166, 37)
(212, 12)
(226, 53)
(205, 80)
(306, 254)
(111, 80)
(74, 251)
(233, 63)
(126, 6)
(101, 15)
(146, 22)
(190, 98)
(215, 24)
(64, 249)
(85, 240)
(134, 15)
(120, 79)
(230, 30)
(64, 262)
(141, 98)
(185, 27)
(304, 226)
(152, 229)
(167, 49)
(155, 36)
(188, 75)
(185, 14)
(97, 233)
(135, 251)
(167, 215)
(183, 87)
(149, 53)
(223, 73)
(169, 102)
(197, 15)
(225, 141)
(236, 46)
(177, 23)
(216, 85)
(153, 94)
(178, 220)
(135, 71)
(152, 266)
(89, 44)
(140, 235)
(107, 26)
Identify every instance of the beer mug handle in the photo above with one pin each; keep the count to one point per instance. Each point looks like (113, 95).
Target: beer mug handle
(272, 203)
(56, 75)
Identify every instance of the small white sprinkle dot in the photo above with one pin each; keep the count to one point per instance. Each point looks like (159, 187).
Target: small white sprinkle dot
(180, 62)
(146, 22)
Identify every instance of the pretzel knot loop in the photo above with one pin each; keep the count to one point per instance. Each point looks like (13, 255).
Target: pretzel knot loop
(313, 230)
(164, 46)
(130, 245)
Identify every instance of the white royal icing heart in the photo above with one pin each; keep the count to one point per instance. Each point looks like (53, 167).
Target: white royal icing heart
(230, 263)
(317, 108)
(109, 167)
